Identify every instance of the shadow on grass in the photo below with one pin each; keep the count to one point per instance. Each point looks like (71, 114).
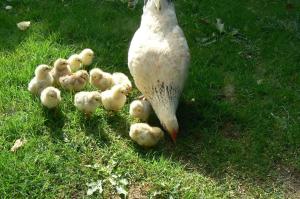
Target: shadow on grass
(214, 145)
(118, 124)
(55, 122)
(92, 127)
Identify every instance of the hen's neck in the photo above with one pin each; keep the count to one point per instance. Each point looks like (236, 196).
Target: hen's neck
(159, 20)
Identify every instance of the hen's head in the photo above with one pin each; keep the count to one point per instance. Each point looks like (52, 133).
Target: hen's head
(170, 124)
(158, 4)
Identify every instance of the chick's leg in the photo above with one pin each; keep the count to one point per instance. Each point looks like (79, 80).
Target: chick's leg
(142, 97)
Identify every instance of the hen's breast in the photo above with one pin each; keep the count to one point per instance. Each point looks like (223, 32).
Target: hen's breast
(158, 63)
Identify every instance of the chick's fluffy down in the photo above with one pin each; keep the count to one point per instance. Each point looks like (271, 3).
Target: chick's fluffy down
(50, 97)
(87, 56)
(145, 135)
(100, 79)
(41, 80)
(87, 101)
(60, 69)
(140, 109)
(74, 62)
(114, 99)
(122, 79)
(75, 82)
(36, 86)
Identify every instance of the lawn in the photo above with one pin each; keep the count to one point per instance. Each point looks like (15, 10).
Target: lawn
(239, 113)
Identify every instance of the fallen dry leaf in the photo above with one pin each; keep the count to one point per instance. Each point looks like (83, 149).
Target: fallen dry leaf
(8, 7)
(220, 26)
(93, 187)
(18, 143)
(229, 92)
(23, 25)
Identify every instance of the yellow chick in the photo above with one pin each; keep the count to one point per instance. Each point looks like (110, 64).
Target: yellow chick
(140, 109)
(75, 82)
(122, 79)
(74, 62)
(145, 135)
(100, 79)
(41, 80)
(50, 97)
(87, 101)
(60, 69)
(114, 99)
(87, 56)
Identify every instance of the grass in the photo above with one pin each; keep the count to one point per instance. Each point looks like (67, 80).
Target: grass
(239, 113)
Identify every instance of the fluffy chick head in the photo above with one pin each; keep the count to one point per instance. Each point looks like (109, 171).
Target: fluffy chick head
(87, 53)
(53, 93)
(158, 132)
(96, 74)
(136, 107)
(60, 64)
(83, 74)
(42, 70)
(128, 88)
(119, 89)
(95, 97)
(75, 59)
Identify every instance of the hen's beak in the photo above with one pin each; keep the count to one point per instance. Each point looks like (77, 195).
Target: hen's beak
(174, 136)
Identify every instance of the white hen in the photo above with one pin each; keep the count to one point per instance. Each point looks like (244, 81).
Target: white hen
(158, 61)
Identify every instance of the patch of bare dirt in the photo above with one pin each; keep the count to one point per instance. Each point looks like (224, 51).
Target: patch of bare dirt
(138, 191)
(291, 180)
(230, 131)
